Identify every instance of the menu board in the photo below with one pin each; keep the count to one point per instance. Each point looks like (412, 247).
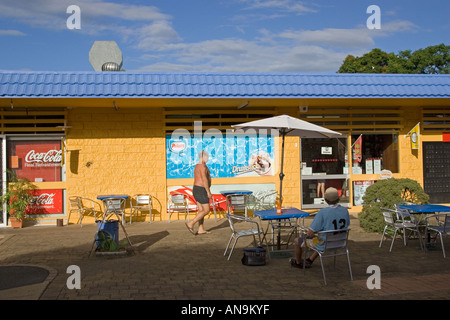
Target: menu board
(436, 171)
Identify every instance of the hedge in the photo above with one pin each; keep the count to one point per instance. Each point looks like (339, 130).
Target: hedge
(384, 194)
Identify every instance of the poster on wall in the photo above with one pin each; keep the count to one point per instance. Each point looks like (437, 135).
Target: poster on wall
(36, 160)
(359, 189)
(229, 155)
(46, 201)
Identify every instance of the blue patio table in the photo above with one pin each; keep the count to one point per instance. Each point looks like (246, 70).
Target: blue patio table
(424, 209)
(115, 196)
(103, 197)
(228, 192)
(286, 213)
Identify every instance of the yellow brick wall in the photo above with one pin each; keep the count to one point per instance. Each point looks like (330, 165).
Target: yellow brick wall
(126, 153)
(410, 160)
(113, 151)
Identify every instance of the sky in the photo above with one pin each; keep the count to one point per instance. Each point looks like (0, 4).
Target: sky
(215, 35)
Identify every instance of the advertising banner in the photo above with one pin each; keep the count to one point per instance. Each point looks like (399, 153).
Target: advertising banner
(359, 189)
(37, 161)
(46, 201)
(357, 150)
(230, 155)
(415, 137)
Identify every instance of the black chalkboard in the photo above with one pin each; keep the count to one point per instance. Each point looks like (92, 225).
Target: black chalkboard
(436, 171)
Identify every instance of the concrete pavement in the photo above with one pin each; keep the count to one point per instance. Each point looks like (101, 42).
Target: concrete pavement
(172, 264)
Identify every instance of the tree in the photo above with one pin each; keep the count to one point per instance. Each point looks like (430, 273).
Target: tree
(431, 60)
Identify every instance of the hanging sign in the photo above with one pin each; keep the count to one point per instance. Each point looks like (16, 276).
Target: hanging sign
(415, 135)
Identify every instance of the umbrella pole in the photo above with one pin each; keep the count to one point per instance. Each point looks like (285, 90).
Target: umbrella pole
(281, 168)
(281, 185)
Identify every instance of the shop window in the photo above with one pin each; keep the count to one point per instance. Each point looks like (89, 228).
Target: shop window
(324, 164)
(324, 156)
(372, 153)
(312, 192)
(35, 160)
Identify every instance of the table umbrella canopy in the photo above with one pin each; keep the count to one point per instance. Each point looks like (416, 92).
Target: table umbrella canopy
(289, 126)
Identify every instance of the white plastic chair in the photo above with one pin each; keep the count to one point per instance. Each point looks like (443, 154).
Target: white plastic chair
(442, 228)
(335, 242)
(179, 203)
(142, 202)
(236, 234)
(237, 202)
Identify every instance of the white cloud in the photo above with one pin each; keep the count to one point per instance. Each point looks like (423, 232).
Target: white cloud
(237, 55)
(292, 6)
(11, 33)
(342, 38)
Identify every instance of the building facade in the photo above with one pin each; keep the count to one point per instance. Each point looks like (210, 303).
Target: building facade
(94, 133)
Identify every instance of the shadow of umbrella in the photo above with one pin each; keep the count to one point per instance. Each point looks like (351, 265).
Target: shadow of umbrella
(142, 242)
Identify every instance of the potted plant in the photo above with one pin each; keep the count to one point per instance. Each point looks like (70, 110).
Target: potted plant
(17, 197)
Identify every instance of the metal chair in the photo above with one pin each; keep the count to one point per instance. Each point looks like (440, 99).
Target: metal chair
(213, 206)
(335, 242)
(396, 225)
(237, 202)
(142, 202)
(236, 234)
(114, 206)
(179, 202)
(442, 227)
(410, 223)
(77, 203)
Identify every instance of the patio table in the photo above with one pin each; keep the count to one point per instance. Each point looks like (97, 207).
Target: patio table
(286, 213)
(228, 192)
(115, 196)
(103, 198)
(424, 209)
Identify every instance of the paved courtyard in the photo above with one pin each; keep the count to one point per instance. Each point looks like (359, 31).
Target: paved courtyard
(172, 264)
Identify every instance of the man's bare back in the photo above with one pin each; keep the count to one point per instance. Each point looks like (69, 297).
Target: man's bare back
(202, 176)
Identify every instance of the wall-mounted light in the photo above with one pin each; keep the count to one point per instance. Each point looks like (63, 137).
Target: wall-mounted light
(303, 108)
(115, 106)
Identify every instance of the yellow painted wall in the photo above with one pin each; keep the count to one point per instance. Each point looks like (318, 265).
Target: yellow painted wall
(116, 152)
(126, 153)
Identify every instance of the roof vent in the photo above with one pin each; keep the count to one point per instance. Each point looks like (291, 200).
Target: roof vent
(105, 52)
(110, 66)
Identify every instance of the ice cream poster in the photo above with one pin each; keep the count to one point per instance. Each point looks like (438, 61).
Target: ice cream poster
(230, 155)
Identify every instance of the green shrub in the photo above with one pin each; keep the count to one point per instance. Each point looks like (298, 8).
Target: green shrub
(384, 194)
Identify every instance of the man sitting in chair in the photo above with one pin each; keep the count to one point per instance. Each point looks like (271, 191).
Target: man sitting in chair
(333, 217)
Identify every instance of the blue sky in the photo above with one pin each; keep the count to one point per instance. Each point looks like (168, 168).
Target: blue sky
(215, 35)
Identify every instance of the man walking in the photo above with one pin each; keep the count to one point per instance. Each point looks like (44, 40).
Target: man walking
(201, 192)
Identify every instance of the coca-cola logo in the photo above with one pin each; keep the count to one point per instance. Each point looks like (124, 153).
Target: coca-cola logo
(51, 156)
(44, 199)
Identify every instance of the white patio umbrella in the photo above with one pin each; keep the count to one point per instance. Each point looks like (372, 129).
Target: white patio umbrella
(289, 126)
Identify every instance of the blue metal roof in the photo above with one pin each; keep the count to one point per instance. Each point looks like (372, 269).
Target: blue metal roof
(91, 84)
